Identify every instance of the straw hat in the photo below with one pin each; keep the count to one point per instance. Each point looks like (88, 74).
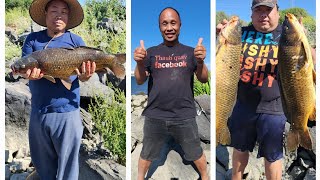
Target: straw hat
(37, 12)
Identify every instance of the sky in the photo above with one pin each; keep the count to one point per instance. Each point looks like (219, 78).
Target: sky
(242, 8)
(195, 18)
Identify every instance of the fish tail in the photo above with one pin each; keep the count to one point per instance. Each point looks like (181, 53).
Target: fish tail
(305, 139)
(293, 141)
(120, 58)
(312, 116)
(223, 136)
(119, 70)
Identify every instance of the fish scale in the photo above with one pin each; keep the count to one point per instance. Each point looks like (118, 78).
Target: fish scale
(296, 82)
(62, 62)
(227, 77)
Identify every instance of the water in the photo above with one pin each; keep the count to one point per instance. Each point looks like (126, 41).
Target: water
(138, 89)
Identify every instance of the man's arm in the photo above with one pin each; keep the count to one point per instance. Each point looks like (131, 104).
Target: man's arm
(200, 55)
(139, 56)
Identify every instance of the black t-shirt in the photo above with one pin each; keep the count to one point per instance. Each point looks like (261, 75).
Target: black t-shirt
(258, 86)
(170, 85)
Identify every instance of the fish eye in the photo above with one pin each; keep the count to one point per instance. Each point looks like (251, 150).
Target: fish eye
(23, 66)
(286, 27)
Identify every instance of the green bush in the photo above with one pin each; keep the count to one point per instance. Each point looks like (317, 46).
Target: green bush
(25, 4)
(12, 50)
(109, 117)
(18, 19)
(201, 88)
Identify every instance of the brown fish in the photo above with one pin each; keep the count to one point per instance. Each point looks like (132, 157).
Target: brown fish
(62, 62)
(227, 76)
(297, 82)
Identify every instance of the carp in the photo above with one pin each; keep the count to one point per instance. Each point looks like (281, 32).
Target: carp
(296, 76)
(228, 53)
(62, 62)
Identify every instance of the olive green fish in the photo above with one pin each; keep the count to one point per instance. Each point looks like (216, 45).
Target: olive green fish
(297, 82)
(62, 62)
(227, 77)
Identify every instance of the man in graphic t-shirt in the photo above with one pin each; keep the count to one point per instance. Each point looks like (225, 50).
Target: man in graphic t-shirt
(258, 115)
(170, 67)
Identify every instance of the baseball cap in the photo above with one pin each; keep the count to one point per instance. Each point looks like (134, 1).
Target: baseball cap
(269, 3)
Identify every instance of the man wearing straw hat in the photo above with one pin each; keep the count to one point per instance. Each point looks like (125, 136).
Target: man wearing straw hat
(55, 129)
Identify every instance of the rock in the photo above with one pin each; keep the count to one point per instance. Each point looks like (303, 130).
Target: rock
(138, 100)
(20, 176)
(220, 172)
(21, 153)
(36, 27)
(17, 104)
(305, 155)
(110, 25)
(94, 87)
(313, 138)
(228, 175)
(137, 129)
(8, 172)
(223, 156)
(306, 163)
(108, 169)
(11, 34)
(203, 127)
(171, 162)
(137, 111)
(87, 123)
(21, 164)
(16, 137)
(310, 174)
(297, 172)
(204, 102)
(8, 156)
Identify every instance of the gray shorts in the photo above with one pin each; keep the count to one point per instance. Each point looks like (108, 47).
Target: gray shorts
(185, 133)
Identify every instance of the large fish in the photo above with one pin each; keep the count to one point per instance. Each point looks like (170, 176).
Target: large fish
(227, 77)
(62, 62)
(297, 82)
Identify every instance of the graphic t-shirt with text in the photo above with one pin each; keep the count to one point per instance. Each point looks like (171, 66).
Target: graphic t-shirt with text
(258, 86)
(170, 85)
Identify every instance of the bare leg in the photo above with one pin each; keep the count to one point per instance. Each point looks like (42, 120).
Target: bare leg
(273, 169)
(143, 166)
(201, 164)
(239, 163)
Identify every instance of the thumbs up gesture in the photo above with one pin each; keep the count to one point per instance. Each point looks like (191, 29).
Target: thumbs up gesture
(140, 53)
(200, 52)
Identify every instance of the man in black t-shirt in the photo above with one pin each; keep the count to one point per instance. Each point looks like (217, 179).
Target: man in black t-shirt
(258, 115)
(170, 67)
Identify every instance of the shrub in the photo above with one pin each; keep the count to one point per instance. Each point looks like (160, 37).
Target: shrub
(12, 50)
(18, 19)
(109, 117)
(201, 88)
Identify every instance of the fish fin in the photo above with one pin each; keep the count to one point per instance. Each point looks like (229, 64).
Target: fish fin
(223, 136)
(121, 58)
(312, 116)
(86, 47)
(314, 76)
(119, 71)
(293, 141)
(50, 78)
(305, 139)
(67, 48)
(67, 83)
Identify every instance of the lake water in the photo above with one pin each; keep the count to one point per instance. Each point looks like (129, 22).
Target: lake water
(138, 89)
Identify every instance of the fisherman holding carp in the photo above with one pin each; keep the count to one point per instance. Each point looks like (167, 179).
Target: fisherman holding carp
(277, 83)
(50, 60)
(170, 68)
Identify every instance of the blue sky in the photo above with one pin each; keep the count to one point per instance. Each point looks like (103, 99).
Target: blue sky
(195, 18)
(242, 8)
